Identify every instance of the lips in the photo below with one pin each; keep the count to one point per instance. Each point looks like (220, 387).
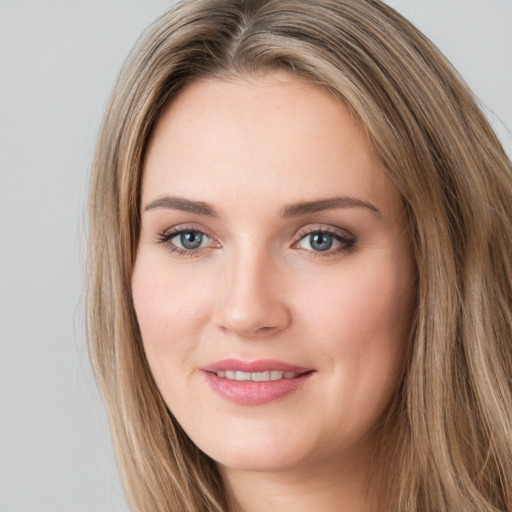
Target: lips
(256, 376)
(255, 382)
(261, 365)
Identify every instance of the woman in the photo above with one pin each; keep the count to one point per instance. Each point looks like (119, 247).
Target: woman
(300, 283)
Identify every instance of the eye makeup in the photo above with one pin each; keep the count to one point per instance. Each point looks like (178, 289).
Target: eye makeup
(186, 240)
(318, 240)
(323, 241)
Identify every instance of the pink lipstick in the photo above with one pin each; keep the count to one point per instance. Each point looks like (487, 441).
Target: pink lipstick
(254, 382)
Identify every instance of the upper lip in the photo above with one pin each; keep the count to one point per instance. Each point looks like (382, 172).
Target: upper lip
(261, 365)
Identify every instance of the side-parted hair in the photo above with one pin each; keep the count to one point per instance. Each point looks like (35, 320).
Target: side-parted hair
(446, 441)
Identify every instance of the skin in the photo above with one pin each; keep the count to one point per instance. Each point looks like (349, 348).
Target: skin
(258, 289)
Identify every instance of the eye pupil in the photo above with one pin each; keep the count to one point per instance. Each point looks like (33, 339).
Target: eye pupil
(191, 240)
(321, 241)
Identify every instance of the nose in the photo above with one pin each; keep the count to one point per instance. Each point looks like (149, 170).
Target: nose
(251, 302)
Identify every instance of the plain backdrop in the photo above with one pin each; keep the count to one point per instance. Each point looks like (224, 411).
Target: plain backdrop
(58, 62)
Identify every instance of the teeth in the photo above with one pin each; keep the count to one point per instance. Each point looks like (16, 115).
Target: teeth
(260, 376)
(256, 376)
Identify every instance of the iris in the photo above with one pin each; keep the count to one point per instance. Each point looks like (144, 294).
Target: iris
(191, 240)
(321, 241)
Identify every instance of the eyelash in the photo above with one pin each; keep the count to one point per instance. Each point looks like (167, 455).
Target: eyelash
(347, 242)
(165, 237)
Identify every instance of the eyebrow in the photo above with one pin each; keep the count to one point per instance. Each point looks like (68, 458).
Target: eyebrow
(185, 205)
(308, 207)
(292, 210)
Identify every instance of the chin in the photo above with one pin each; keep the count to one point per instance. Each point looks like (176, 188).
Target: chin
(260, 450)
(258, 460)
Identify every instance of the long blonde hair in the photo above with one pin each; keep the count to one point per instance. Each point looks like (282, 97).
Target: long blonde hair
(446, 442)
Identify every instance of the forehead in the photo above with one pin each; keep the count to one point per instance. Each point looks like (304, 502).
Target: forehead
(250, 137)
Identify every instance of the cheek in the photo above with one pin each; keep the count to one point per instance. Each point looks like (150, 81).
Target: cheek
(362, 320)
(171, 308)
(363, 304)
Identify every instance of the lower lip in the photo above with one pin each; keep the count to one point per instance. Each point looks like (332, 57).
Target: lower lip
(254, 393)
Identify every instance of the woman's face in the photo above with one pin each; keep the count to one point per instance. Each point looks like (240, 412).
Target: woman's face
(273, 248)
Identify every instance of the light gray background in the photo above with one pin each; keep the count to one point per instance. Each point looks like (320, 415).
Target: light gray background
(58, 61)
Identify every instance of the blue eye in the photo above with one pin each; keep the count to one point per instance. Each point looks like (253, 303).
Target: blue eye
(321, 241)
(324, 241)
(186, 242)
(190, 240)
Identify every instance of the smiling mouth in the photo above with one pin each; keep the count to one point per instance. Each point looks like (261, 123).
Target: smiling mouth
(255, 382)
(266, 376)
